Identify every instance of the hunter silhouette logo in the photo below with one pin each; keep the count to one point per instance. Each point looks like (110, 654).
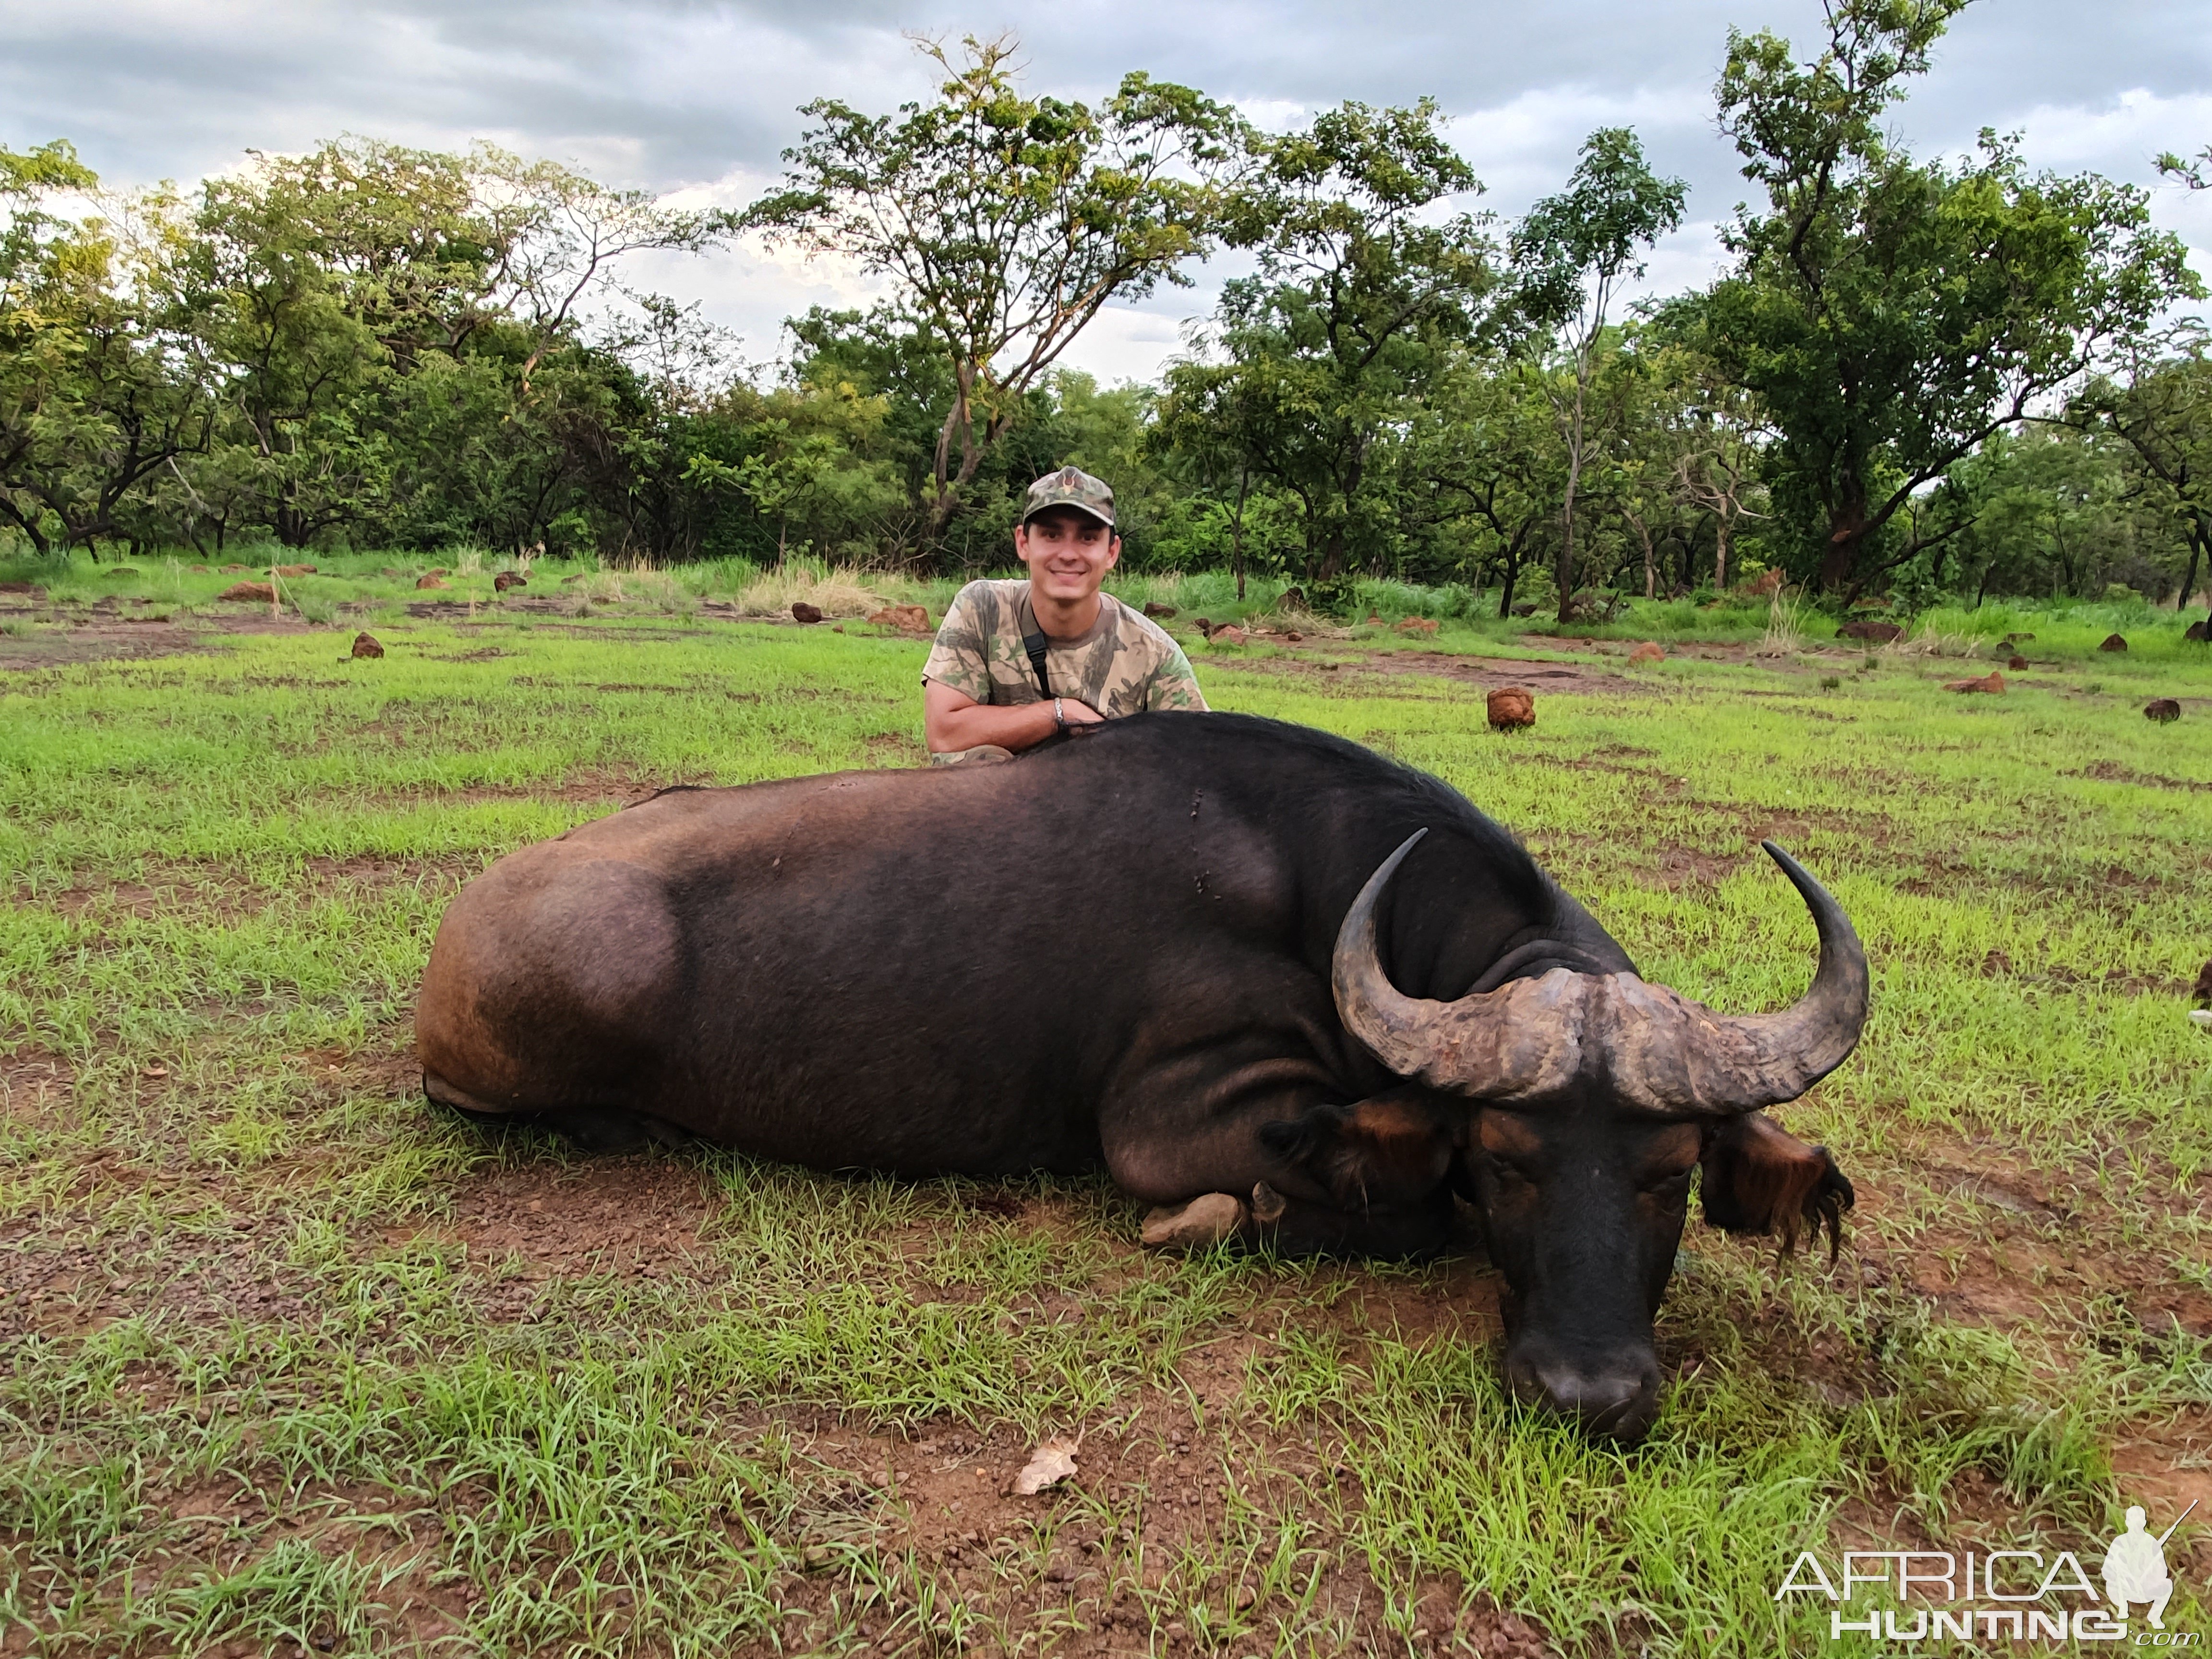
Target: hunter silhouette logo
(2010, 1595)
(2135, 1567)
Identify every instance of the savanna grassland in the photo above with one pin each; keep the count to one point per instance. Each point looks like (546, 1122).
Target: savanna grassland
(292, 1363)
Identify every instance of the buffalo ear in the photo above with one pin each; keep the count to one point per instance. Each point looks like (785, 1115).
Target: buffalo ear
(1759, 1181)
(1387, 1151)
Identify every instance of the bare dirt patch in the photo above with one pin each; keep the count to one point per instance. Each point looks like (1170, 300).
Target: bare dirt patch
(1681, 866)
(2113, 772)
(34, 1083)
(100, 634)
(483, 610)
(2002, 1242)
(375, 869)
(641, 1215)
(1486, 673)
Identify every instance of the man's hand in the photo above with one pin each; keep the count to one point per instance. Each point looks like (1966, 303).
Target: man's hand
(953, 721)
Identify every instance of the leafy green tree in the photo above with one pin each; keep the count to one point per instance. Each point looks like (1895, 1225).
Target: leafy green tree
(1313, 366)
(2193, 171)
(1572, 254)
(2163, 413)
(97, 394)
(1005, 222)
(378, 313)
(1709, 428)
(2050, 509)
(1890, 315)
(1485, 463)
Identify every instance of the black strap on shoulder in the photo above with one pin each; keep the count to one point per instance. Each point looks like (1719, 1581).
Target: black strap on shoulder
(1033, 642)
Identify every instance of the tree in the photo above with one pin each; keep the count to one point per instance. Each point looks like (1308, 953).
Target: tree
(97, 394)
(2163, 413)
(2193, 171)
(1712, 434)
(1573, 252)
(2048, 507)
(1485, 453)
(566, 232)
(1007, 223)
(1890, 315)
(335, 290)
(1314, 367)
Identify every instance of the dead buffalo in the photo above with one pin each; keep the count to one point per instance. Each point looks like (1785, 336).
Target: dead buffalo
(1206, 952)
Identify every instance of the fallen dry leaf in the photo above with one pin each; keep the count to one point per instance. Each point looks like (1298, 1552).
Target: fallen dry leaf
(1052, 1462)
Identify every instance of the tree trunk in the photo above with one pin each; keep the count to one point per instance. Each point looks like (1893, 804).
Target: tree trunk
(28, 524)
(1720, 552)
(2197, 532)
(1847, 530)
(1512, 574)
(1566, 571)
(1237, 532)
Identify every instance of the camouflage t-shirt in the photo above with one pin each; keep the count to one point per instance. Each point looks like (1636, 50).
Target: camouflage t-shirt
(1124, 665)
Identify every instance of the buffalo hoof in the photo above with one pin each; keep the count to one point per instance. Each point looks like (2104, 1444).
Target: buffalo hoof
(1609, 1401)
(1206, 1219)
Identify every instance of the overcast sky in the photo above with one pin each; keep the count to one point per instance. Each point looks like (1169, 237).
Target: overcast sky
(695, 99)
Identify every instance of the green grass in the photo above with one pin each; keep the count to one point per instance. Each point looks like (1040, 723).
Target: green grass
(288, 1360)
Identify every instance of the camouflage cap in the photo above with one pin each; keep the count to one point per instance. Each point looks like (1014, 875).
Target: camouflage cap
(1072, 487)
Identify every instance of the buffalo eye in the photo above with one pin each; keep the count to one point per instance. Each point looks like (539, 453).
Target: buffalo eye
(1667, 1183)
(1670, 1158)
(1508, 1175)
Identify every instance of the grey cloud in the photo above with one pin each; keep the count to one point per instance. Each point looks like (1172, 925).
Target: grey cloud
(693, 89)
(665, 93)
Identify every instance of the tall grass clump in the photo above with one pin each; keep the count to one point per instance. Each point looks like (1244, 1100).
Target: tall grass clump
(1785, 625)
(839, 591)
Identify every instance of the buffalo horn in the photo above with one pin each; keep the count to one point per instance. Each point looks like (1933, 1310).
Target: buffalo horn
(1532, 1040)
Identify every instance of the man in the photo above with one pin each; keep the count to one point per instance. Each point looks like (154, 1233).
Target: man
(1016, 662)
(2135, 1569)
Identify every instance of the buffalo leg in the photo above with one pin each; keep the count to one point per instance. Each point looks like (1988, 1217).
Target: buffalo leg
(1369, 1179)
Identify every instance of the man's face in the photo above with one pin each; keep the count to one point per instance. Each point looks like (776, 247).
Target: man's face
(1068, 553)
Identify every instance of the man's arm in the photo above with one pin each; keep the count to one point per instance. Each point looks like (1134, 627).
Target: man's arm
(952, 720)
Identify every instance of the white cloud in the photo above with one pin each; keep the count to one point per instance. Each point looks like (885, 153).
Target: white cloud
(696, 97)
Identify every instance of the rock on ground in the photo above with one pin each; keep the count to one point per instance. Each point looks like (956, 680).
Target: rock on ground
(261, 592)
(367, 645)
(2162, 710)
(2113, 642)
(802, 611)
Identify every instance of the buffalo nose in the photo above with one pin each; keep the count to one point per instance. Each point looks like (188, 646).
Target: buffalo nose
(1615, 1400)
